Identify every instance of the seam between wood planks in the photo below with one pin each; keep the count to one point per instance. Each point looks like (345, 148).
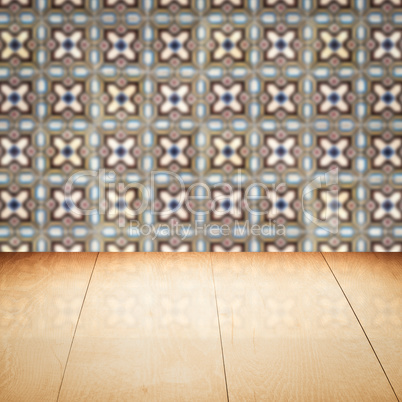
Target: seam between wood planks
(361, 326)
(76, 326)
(219, 326)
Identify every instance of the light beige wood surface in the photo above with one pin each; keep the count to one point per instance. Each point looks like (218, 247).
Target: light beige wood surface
(289, 334)
(149, 328)
(373, 285)
(148, 331)
(41, 295)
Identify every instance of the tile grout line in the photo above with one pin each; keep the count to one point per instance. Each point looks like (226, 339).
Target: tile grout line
(219, 326)
(76, 326)
(361, 326)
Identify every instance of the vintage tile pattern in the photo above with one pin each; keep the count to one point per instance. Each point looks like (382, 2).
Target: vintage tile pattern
(240, 91)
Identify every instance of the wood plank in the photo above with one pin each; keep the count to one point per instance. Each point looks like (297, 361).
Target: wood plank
(41, 295)
(373, 284)
(148, 331)
(288, 332)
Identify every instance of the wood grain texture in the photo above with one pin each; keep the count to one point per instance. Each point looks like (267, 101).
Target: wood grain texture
(288, 332)
(148, 331)
(373, 285)
(41, 295)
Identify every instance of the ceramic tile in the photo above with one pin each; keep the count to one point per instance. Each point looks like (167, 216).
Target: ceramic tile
(178, 101)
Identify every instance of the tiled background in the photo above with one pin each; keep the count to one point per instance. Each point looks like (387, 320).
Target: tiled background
(215, 91)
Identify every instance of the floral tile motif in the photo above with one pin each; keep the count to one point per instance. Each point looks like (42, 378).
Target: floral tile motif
(111, 101)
